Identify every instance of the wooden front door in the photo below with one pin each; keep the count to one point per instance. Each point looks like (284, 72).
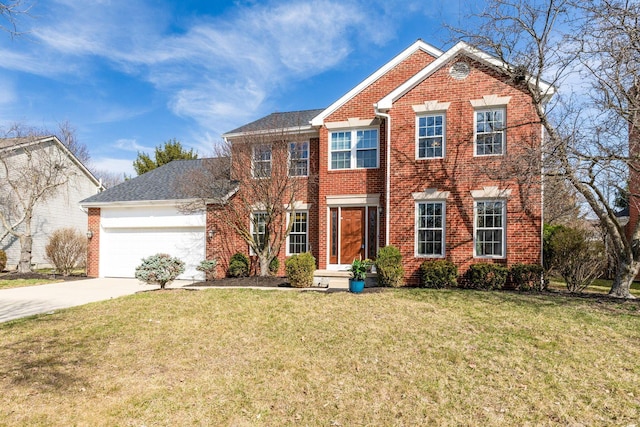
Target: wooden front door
(352, 227)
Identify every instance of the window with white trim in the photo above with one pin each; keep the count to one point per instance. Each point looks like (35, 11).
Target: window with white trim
(299, 158)
(489, 228)
(259, 228)
(345, 154)
(430, 229)
(298, 237)
(490, 132)
(431, 136)
(261, 161)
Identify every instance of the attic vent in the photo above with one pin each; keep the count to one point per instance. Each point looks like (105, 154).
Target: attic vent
(459, 70)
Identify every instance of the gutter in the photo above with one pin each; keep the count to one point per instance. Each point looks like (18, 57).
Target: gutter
(387, 196)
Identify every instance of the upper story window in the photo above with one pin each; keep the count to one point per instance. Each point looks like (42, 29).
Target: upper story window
(261, 161)
(490, 132)
(299, 158)
(489, 233)
(431, 136)
(353, 149)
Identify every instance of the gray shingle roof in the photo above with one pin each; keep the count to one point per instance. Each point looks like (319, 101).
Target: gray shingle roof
(164, 183)
(278, 121)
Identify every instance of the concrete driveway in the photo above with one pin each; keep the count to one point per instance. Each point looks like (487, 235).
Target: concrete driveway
(21, 302)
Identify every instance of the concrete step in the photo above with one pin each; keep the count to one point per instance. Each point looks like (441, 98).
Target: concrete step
(339, 279)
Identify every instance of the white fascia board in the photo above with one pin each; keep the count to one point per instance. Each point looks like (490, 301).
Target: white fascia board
(387, 102)
(292, 130)
(418, 45)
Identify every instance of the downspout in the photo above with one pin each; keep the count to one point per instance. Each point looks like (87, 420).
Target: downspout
(387, 208)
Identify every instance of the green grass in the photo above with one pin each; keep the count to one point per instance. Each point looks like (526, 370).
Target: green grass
(19, 283)
(271, 358)
(599, 286)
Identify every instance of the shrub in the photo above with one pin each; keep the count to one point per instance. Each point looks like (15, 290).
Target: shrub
(486, 276)
(299, 269)
(66, 250)
(577, 258)
(548, 254)
(389, 267)
(274, 266)
(3, 260)
(527, 277)
(208, 267)
(438, 274)
(159, 269)
(238, 265)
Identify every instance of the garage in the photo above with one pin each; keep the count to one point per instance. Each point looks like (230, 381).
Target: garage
(129, 234)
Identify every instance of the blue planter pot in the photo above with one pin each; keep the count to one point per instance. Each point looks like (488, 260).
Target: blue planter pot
(356, 286)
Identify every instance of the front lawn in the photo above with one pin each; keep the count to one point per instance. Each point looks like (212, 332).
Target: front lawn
(19, 283)
(241, 357)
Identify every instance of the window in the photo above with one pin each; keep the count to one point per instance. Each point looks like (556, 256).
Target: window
(430, 219)
(490, 125)
(489, 228)
(344, 154)
(298, 235)
(299, 159)
(259, 228)
(430, 136)
(261, 161)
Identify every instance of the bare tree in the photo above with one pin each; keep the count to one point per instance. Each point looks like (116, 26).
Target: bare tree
(591, 50)
(30, 173)
(10, 10)
(265, 174)
(67, 134)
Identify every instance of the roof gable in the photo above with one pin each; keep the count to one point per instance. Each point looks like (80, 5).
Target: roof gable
(23, 142)
(418, 45)
(460, 48)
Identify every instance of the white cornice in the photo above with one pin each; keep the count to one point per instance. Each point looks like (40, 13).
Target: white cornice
(431, 106)
(431, 194)
(491, 193)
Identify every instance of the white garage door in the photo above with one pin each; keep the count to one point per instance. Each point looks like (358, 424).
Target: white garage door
(122, 249)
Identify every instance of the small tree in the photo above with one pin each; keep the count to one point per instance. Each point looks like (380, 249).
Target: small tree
(66, 249)
(577, 258)
(159, 269)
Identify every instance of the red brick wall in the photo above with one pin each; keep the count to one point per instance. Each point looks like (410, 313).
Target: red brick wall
(93, 246)
(460, 172)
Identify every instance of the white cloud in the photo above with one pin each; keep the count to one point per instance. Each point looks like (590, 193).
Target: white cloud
(131, 145)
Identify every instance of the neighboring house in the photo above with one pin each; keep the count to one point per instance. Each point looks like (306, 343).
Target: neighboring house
(60, 210)
(424, 154)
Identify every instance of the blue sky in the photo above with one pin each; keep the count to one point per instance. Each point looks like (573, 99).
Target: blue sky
(129, 75)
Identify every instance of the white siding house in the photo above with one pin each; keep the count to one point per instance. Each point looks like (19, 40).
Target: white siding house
(61, 209)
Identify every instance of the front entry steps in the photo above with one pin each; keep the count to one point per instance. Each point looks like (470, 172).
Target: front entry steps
(335, 279)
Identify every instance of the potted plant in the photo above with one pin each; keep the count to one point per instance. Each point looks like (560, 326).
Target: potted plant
(358, 270)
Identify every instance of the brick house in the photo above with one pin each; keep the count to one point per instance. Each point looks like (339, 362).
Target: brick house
(433, 153)
(429, 154)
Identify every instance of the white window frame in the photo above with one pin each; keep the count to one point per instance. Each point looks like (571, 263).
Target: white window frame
(292, 145)
(503, 228)
(503, 132)
(306, 233)
(253, 230)
(255, 161)
(353, 150)
(442, 228)
(443, 136)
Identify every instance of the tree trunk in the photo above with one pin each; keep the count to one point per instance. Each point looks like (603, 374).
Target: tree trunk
(627, 271)
(264, 265)
(26, 245)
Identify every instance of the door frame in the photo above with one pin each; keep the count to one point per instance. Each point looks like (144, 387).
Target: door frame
(371, 206)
